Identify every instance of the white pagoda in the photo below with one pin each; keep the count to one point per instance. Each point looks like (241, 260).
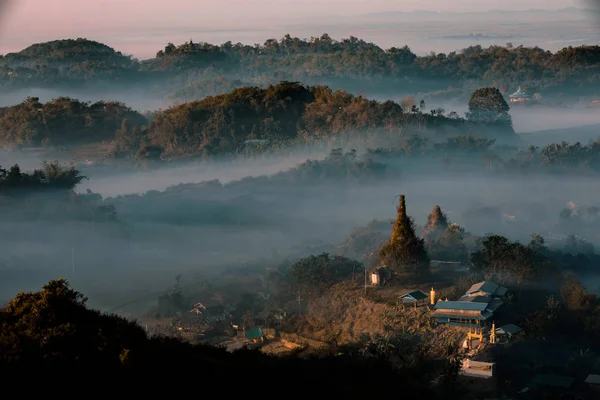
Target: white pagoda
(519, 96)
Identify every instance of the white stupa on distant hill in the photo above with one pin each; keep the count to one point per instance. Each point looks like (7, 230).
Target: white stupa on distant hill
(519, 96)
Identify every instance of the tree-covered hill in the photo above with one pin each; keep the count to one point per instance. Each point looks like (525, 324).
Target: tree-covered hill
(63, 121)
(351, 64)
(286, 111)
(58, 52)
(67, 61)
(246, 119)
(52, 332)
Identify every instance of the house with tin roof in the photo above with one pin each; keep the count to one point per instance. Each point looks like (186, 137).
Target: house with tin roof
(415, 297)
(486, 288)
(477, 305)
(461, 313)
(593, 382)
(255, 335)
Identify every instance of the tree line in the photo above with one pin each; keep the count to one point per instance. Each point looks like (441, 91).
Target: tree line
(350, 63)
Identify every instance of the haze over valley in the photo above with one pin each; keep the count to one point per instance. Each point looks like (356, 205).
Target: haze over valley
(407, 197)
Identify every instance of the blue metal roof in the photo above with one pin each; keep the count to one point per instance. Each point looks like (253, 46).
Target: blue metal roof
(510, 329)
(417, 295)
(254, 333)
(460, 305)
(485, 287)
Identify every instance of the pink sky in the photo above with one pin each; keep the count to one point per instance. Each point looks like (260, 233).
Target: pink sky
(27, 21)
(59, 16)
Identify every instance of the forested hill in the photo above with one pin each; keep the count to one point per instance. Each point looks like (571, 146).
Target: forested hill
(63, 121)
(350, 63)
(230, 122)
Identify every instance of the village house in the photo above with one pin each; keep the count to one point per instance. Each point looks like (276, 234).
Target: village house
(593, 382)
(486, 288)
(212, 312)
(461, 313)
(255, 335)
(508, 331)
(413, 298)
(476, 306)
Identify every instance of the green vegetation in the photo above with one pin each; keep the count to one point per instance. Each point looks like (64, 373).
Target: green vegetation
(511, 260)
(488, 105)
(323, 270)
(53, 331)
(286, 111)
(63, 121)
(48, 194)
(352, 63)
(51, 177)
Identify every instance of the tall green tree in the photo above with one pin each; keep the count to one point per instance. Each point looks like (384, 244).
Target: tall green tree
(487, 105)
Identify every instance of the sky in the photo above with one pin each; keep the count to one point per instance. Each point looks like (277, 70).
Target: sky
(58, 16)
(41, 20)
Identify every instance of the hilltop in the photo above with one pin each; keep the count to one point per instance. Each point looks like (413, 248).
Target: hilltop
(228, 123)
(57, 52)
(351, 63)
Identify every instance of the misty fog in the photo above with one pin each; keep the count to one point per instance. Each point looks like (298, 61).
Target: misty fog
(288, 220)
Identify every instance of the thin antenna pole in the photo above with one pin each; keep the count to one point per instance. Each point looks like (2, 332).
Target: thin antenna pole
(73, 260)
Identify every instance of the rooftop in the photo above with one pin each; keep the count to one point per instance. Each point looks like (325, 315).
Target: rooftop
(460, 305)
(459, 314)
(254, 333)
(487, 287)
(556, 381)
(494, 305)
(476, 299)
(509, 329)
(520, 93)
(417, 295)
(593, 379)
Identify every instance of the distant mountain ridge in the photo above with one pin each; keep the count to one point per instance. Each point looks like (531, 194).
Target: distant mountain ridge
(432, 13)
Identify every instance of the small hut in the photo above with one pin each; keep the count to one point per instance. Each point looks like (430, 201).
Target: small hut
(416, 297)
(509, 331)
(255, 335)
(380, 276)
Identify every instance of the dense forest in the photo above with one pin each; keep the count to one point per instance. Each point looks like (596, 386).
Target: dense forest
(224, 124)
(351, 63)
(63, 121)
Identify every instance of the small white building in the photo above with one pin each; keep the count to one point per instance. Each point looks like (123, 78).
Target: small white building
(519, 96)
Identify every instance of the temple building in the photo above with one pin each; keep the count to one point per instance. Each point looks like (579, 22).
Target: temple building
(461, 313)
(475, 307)
(519, 96)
